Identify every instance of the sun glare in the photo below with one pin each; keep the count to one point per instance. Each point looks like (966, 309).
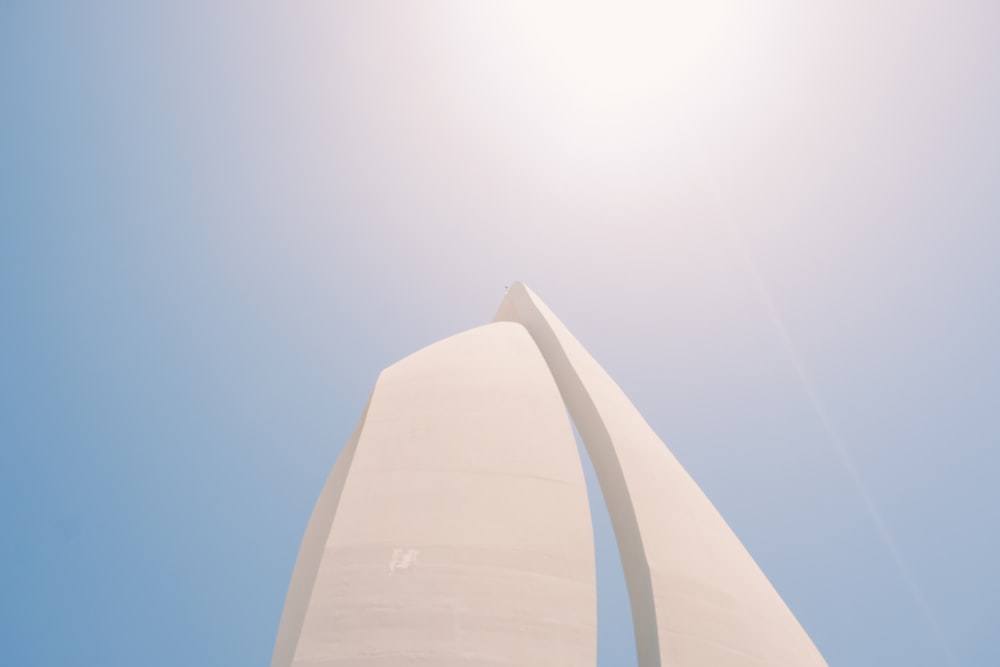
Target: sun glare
(613, 57)
(611, 70)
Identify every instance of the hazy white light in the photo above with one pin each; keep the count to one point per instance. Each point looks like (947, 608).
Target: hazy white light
(610, 71)
(618, 55)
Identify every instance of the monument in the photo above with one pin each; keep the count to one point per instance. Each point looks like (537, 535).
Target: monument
(455, 529)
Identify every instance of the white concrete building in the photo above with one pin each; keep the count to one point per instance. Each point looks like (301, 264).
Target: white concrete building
(455, 530)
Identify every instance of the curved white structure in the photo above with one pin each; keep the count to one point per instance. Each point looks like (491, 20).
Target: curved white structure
(698, 598)
(454, 528)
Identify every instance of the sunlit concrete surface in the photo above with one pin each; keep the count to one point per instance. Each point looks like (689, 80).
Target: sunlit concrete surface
(454, 528)
(698, 598)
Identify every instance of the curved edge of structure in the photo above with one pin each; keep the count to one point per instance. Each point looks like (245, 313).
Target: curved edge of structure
(697, 596)
(455, 528)
(519, 307)
(311, 551)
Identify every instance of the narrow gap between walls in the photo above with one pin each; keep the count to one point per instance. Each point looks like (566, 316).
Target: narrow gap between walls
(615, 632)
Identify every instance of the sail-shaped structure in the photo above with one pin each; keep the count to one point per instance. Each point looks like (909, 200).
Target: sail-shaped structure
(454, 528)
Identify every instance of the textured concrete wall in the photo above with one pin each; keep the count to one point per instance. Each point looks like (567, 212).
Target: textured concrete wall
(454, 529)
(698, 598)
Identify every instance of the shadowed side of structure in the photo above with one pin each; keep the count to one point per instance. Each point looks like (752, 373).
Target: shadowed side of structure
(311, 552)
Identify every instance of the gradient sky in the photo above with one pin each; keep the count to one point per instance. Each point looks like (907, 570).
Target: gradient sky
(776, 224)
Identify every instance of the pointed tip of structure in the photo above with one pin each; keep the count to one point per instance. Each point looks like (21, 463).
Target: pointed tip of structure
(515, 285)
(518, 286)
(507, 312)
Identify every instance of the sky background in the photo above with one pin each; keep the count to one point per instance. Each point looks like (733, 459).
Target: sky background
(775, 223)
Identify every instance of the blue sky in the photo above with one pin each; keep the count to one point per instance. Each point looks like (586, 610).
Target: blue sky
(775, 224)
